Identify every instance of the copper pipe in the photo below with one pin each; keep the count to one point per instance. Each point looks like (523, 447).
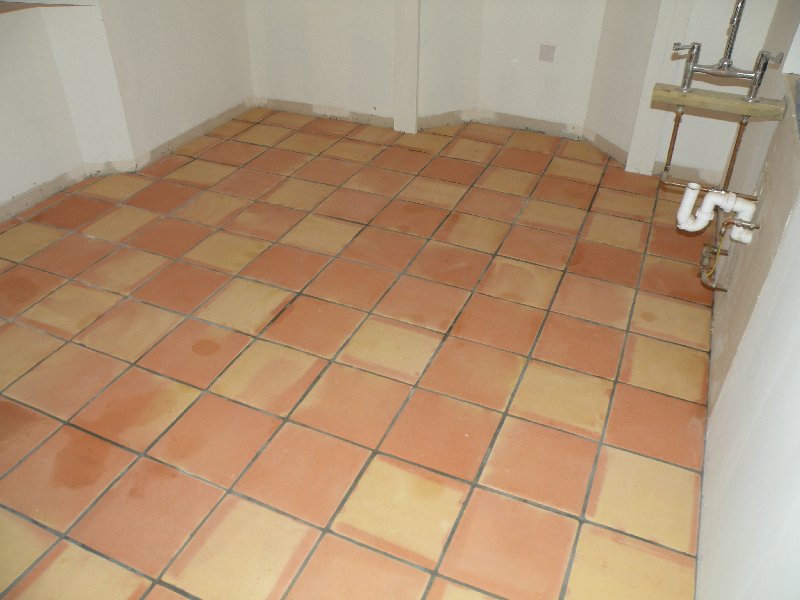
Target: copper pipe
(703, 188)
(734, 154)
(675, 126)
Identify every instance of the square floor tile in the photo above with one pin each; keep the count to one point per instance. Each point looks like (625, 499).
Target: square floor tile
(299, 194)
(181, 287)
(474, 372)
(201, 173)
(646, 498)
(350, 283)
(575, 170)
(248, 183)
(229, 128)
(162, 196)
(254, 115)
(606, 262)
(508, 181)
(164, 166)
(382, 248)
(353, 150)
(244, 305)
(265, 221)
(481, 152)
(124, 270)
(264, 135)
(616, 178)
(233, 153)
(376, 135)
(21, 430)
(391, 348)
(211, 208)
(671, 242)
(623, 204)
(69, 310)
(321, 234)
(564, 191)
(72, 212)
(70, 255)
(522, 160)
(442, 434)
(443, 589)
(494, 543)
(315, 326)
(472, 232)
(537, 246)
(288, 267)
(352, 404)
(403, 510)
(58, 481)
(522, 464)
(580, 150)
(561, 398)
(595, 300)
(422, 303)
(226, 251)
(521, 282)
(228, 555)
(672, 320)
(169, 237)
(26, 239)
(136, 409)
(280, 162)
(614, 231)
(23, 543)
(120, 223)
(215, 439)
(304, 473)
(609, 566)
(498, 323)
(426, 142)
(676, 279)
(21, 287)
(433, 192)
(410, 217)
(288, 119)
(450, 264)
(307, 143)
(402, 159)
(20, 349)
(352, 205)
(146, 516)
(117, 187)
(463, 172)
(552, 217)
(334, 127)
(490, 204)
(195, 353)
(378, 181)
(269, 377)
(197, 146)
(493, 134)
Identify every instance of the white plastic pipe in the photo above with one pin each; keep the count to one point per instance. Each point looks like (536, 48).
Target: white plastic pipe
(727, 201)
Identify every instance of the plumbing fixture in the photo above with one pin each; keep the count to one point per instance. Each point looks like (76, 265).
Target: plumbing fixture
(740, 225)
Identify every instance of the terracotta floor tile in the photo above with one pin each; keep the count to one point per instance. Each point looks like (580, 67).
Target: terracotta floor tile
(609, 566)
(666, 212)
(450, 264)
(248, 183)
(226, 558)
(70, 255)
(521, 464)
(382, 248)
(304, 473)
(321, 234)
(123, 271)
(269, 377)
(671, 242)
(36, 208)
(314, 326)
(288, 119)
(307, 143)
(672, 320)
(280, 162)
(352, 205)
(244, 305)
(66, 380)
(353, 284)
(646, 498)
(169, 237)
(530, 140)
(403, 510)
(159, 592)
(164, 166)
(254, 115)
(494, 541)
(340, 569)
(299, 194)
(352, 404)
(595, 300)
(72, 212)
(215, 439)
(564, 191)
(181, 287)
(23, 543)
(498, 323)
(676, 279)
(21, 287)
(146, 516)
(226, 252)
(580, 150)
(537, 246)
(472, 232)
(575, 170)
(520, 282)
(229, 129)
(69, 310)
(378, 181)
(450, 130)
(265, 221)
(21, 430)
(614, 231)
(62, 477)
(264, 135)
(473, 372)
(433, 192)
(285, 266)
(391, 348)
(353, 150)
(120, 223)
(552, 217)
(423, 303)
(509, 181)
(20, 349)
(330, 127)
(522, 160)
(72, 572)
(617, 179)
(233, 153)
(410, 217)
(577, 344)
(606, 262)
(463, 172)
(667, 368)
(442, 434)
(489, 204)
(162, 196)
(201, 173)
(197, 146)
(623, 204)
(402, 159)
(328, 170)
(26, 239)
(426, 142)
(481, 152)
(211, 208)
(442, 589)
(657, 426)
(113, 334)
(493, 134)
(117, 187)
(376, 135)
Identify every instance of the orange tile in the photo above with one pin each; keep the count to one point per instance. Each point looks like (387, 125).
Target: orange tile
(671, 242)
(433, 192)
(21, 430)
(20, 349)
(463, 172)
(472, 232)
(614, 231)
(378, 181)
(136, 409)
(465, 149)
(443, 589)
(449, 264)
(288, 119)
(215, 439)
(181, 287)
(124, 270)
(307, 143)
(352, 205)
(423, 141)
(473, 372)
(285, 266)
(245, 306)
(617, 179)
(580, 345)
(340, 569)
(71, 255)
(264, 135)
(201, 173)
(66, 380)
(509, 181)
(486, 133)
(304, 473)
(391, 348)
(522, 464)
(520, 282)
(552, 217)
(75, 187)
(530, 140)
(522, 160)
(25, 239)
(21, 287)
(229, 128)
(62, 477)
(422, 303)
(575, 170)
(69, 310)
(352, 404)
(330, 127)
(299, 194)
(23, 544)
(498, 323)
(159, 592)
(116, 187)
(623, 204)
(564, 191)
(233, 153)
(321, 234)
(442, 434)
(162, 196)
(265, 221)
(376, 135)
(595, 300)
(410, 217)
(676, 279)
(72, 212)
(248, 183)
(382, 248)
(314, 326)
(352, 150)
(450, 130)
(328, 170)
(269, 377)
(211, 208)
(494, 543)
(254, 115)
(606, 262)
(280, 162)
(169, 237)
(197, 146)
(672, 320)
(210, 349)
(397, 158)
(537, 246)
(580, 150)
(489, 204)
(165, 165)
(146, 516)
(353, 284)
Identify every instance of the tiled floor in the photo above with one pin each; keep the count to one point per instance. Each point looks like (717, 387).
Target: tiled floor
(303, 358)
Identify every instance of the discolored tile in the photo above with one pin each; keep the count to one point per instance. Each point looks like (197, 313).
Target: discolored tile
(617, 179)
(530, 140)
(280, 162)
(285, 266)
(410, 217)
(321, 234)
(117, 187)
(254, 115)
(671, 242)
(537, 246)
(120, 223)
(449, 264)
(72, 212)
(356, 285)
(595, 300)
(463, 172)
(606, 262)
(229, 128)
(481, 152)
(614, 231)
(575, 170)
(522, 160)
(623, 204)
(21, 287)
(376, 135)
(264, 135)
(498, 323)
(334, 127)
(564, 191)
(226, 252)
(70, 255)
(352, 205)
(307, 143)
(24, 542)
(433, 192)
(676, 279)
(422, 303)
(580, 150)
(509, 181)
(169, 237)
(69, 310)
(672, 320)
(201, 173)
(382, 248)
(20, 349)
(264, 221)
(124, 270)
(472, 232)
(402, 159)
(288, 119)
(197, 146)
(552, 217)
(299, 194)
(164, 166)
(490, 204)
(493, 134)
(181, 287)
(520, 282)
(426, 142)
(232, 153)
(378, 181)
(26, 239)
(211, 208)
(353, 150)
(328, 170)
(245, 305)
(247, 183)
(443, 589)
(162, 196)
(21, 430)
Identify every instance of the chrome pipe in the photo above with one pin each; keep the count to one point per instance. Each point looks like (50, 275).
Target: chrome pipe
(735, 20)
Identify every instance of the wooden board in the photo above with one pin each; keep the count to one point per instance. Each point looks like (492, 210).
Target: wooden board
(724, 102)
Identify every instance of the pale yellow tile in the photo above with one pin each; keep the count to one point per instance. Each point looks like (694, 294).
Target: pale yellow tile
(423, 141)
(117, 187)
(264, 135)
(299, 194)
(211, 208)
(245, 305)
(519, 281)
(321, 234)
(23, 542)
(434, 192)
(24, 240)
(69, 310)
(226, 251)
(672, 320)
(201, 173)
(120, 223)
(20, 349)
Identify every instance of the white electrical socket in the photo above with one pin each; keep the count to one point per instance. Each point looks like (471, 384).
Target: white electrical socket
(547, 53)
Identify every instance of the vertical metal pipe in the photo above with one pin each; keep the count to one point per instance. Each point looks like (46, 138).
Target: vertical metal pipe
(675, 126)
(735, 19)
(736, 144)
